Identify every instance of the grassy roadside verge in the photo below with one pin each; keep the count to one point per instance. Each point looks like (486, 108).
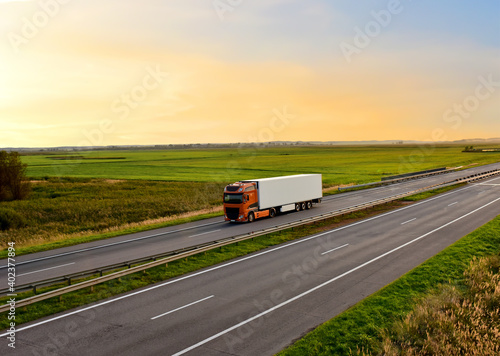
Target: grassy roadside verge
(458, 320)
(361, 327)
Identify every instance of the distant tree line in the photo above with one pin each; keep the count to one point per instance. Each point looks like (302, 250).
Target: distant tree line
(472, 149)
(13, 182)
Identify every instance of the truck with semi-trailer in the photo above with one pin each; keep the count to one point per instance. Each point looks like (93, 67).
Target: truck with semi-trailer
(248, 200)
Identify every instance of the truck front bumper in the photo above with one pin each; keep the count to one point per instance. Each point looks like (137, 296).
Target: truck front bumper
(240, 218)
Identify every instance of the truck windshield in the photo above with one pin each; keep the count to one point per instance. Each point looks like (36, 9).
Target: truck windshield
(233, 198)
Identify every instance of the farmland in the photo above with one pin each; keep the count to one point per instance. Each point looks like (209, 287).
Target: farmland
(90, 193)
(339, 165)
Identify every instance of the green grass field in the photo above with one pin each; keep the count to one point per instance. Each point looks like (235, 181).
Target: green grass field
(339, 165)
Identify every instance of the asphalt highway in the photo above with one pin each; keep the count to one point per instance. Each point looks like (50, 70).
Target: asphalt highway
(60, 262)
(260, 303)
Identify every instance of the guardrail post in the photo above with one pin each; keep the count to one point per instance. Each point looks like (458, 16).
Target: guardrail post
(34, 289)
(69, 281)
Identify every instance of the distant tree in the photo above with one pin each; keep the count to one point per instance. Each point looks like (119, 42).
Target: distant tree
(13, 182)
(3, 174)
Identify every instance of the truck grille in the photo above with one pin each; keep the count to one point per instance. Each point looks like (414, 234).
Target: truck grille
(232, 213)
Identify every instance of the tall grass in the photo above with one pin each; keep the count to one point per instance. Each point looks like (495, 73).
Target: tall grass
(454, 320)
(83, 206)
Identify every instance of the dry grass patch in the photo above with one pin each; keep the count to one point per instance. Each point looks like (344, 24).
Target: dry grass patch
(454, 321)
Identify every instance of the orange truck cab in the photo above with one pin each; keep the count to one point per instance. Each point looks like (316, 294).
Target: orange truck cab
(241, 203)
(253, 199)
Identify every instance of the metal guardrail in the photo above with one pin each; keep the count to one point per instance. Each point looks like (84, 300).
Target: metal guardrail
(397, 180)
(404, 175)
(190, 251)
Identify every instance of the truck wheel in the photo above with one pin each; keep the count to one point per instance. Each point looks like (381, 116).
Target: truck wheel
(297, 206)
(251, 217)
(272, 213)
(302, 206)
(309, 205)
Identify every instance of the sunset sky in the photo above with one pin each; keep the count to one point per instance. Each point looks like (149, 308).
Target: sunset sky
(126, 72)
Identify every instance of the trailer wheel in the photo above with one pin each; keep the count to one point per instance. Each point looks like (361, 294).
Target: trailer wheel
(302, 206)
(272, 213)
(297, 206)
(251, 217)
(309, 205)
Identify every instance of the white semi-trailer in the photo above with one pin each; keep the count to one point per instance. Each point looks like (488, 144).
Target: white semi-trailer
(248, 200)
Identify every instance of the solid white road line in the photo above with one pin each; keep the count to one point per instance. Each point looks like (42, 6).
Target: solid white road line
(237, 261)
(325, 283)
(45, 269)
(185, 306)
(406, 222)
(334, 249)
(205, 233)
(453, 203)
